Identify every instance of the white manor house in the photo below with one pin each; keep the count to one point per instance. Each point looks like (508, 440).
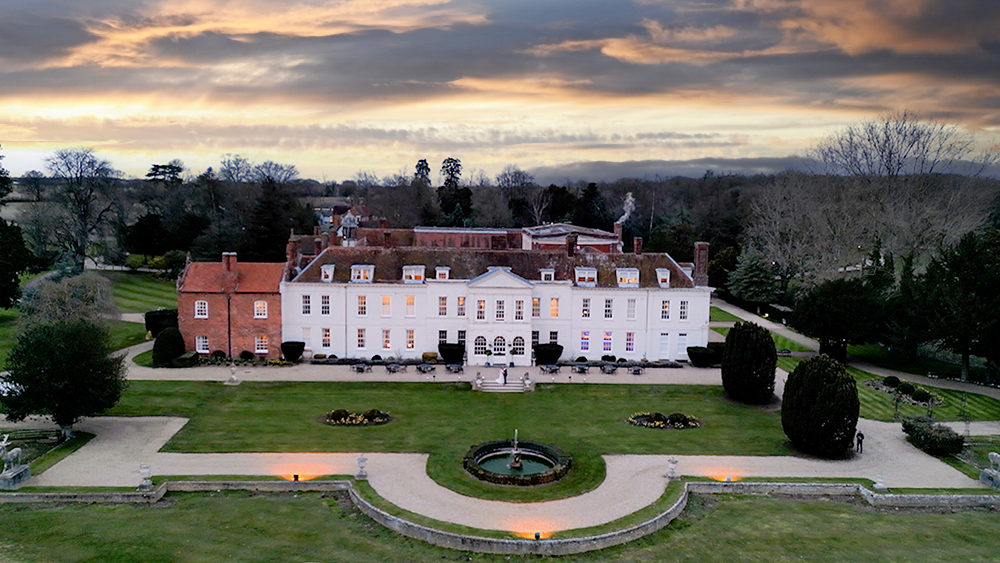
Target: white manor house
(359, 302)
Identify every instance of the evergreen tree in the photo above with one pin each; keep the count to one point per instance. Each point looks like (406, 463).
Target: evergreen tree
(14, 258)
(754, 278)
(820, 407)
(840, 312)
(748, 364)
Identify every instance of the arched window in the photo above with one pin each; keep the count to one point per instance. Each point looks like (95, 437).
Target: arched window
(499, 346)
(201, 309)
(517, 346)
(480, 346)
(260, 309)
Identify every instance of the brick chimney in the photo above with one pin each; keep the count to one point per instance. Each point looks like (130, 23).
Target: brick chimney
(618, 231)
(229, 261)
(386, 239)
(700, 264)
(571, 244)
(637, 245)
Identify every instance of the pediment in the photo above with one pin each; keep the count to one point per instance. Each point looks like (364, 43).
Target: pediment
(499, 277)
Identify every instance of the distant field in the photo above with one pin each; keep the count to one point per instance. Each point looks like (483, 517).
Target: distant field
(716, 314)
(141, 292)
(780, 342)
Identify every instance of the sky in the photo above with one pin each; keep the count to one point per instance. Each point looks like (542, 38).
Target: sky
(573, 89)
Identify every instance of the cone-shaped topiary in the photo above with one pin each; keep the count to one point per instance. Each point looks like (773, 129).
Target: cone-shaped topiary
(819, 410)
(748, 364)
(169, 345)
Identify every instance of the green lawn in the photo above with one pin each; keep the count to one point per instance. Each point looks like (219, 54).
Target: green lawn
(780, 342)
(141, 292)
(8, 333)
(246, 527)
(877, 405)
(445, 419)
(716, 314)
(885, 358)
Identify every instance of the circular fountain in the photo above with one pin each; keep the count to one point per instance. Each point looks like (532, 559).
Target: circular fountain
(514, 462)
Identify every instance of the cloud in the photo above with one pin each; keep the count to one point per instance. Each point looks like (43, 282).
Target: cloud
(604, 171)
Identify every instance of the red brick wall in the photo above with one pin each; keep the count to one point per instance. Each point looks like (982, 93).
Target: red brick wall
(243, 327)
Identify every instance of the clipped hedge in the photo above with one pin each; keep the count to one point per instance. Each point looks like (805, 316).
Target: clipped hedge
(748, 364)
(185, 360)
(451, 353)
(820, 407)
(292, 350)
(935, 439)
(547, 353)
(702, 357)
(169, 345)
(891, 381)
(160, 319)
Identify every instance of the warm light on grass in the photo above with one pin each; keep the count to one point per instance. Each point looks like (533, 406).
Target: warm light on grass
(305, 470)
(527, 528)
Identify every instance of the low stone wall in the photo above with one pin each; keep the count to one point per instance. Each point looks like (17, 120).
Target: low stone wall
(567, 546)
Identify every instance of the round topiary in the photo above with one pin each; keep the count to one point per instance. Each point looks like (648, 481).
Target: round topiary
(906, 388)
(338, 415)
(890, 381)
(748, 364)
(292, 350)
(169, 345)
(246, 355)
(921, 395)
(219, 354)
(820, 407)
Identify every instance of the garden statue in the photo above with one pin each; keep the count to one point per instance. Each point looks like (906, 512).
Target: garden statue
(11, 459)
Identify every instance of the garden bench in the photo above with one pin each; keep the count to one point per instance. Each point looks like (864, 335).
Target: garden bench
(549, 369)
(454, 368)
(425, 368)
(609, 369)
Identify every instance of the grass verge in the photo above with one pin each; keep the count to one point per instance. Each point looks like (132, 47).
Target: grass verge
(717, 315)
(141, 292)
(780, 342)
(145, 359)
(58, 453)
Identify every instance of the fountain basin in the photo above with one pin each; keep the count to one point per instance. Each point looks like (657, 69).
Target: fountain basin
(541, 463)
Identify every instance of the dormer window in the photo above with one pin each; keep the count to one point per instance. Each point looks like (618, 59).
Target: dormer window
(548, 274)
(586, 277)
(413, 274)
(326, 273)
(663, 277)
(628, 277)
(442, 273)
(362, 274)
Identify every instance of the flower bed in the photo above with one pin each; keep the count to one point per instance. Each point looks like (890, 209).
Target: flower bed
(908, 393)
(343, 417)
(673, 421)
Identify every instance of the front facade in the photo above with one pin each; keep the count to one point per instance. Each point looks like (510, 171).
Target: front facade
(402, 302)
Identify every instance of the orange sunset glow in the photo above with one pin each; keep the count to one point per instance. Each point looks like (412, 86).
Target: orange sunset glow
(565, 88)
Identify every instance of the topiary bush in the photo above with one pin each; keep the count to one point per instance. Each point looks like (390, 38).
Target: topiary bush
(451, 353)
(292, 350)
(547, 353)
(921, 395)
(748, 364)
(891, 381)
(219, 354)
(608, 358)
(246, 355)
(702, 357)
(935, 439)
(581, 360)
(169, 345)
(160, 319)
(819, 410)
(906, 388)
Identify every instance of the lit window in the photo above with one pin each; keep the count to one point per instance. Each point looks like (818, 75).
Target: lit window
(548, 275)
(628, 277)
(534, 338)
(362, 274)
(519, 310)
(499, 346)
(413, 274)
(500, 310)
(607, 341)
(306, 305)
(326, 273)
(260, 309)
(461, 337)
(665, 311)
(260, 344)
(663, 277)
(517, 346)
(586, 277)
(361, 338)
(326, 338)
(442, 306)
(201, 344)
(201, 309)
(630, 310)
(629, 341)
(585, 341)
(461, 307)
(683, 311)
(409, 339)
(554, 307)
(554, 337)
(480, 346)
(585, 311)
(481, 310)
(609, 306)
(410, 306)
(442, 272)
(442, 336)
(536, 307)
(362, 305)
(386, 305)
(386, 341)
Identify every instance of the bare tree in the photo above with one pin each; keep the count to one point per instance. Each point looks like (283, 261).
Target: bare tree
(278, 173)
(513, 177)
(86, 297)
(236, 169)
(84, 196)
(34, 184)
(539, 199)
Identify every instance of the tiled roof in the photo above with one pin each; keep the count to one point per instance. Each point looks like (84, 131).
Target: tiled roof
(563, 229)
(466, 264)
(246, 277)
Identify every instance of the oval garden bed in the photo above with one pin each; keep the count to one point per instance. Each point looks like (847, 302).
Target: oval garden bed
(908, 393)
(672, 421)
(343, 417)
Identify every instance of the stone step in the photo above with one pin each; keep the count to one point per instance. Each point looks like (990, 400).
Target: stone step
(511, 387)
